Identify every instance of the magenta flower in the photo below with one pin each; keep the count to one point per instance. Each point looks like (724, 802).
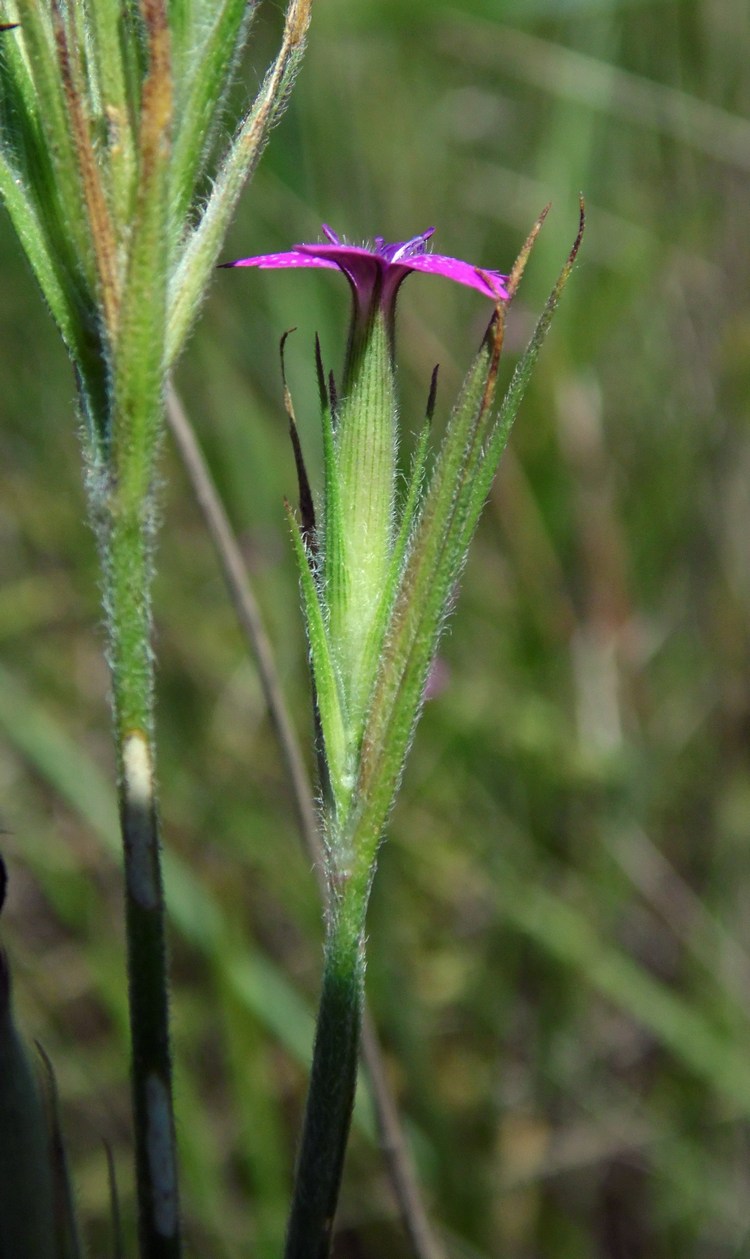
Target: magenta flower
(381, 270)
(355, 545)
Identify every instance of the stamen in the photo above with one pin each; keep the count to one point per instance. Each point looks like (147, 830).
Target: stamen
(412, 248)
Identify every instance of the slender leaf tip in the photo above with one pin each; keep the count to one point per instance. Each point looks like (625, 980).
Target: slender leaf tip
(562, 279)
(519, 266)
(306, 506)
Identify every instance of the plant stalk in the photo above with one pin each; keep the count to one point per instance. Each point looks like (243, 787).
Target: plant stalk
(333, 1080)
(127, 574)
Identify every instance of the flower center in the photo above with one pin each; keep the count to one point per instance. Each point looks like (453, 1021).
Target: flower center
(399, 250)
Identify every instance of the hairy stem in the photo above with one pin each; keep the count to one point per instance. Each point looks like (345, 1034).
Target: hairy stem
(332, 1084)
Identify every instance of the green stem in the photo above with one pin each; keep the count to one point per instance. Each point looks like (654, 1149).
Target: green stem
(332, 1084)
(127, 570)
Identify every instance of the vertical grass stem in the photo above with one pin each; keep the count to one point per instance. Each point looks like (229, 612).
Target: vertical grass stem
(129, 616)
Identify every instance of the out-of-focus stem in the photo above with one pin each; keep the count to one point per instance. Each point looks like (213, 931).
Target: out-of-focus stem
(396, 1155)
(251, 623)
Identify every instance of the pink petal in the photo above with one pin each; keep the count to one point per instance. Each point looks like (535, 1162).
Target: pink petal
(293, 258)
(490, 283)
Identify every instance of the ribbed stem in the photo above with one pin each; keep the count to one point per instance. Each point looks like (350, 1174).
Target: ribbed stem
(366, 464)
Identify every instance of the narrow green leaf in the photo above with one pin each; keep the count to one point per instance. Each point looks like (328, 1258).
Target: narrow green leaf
(70, 44)
(65, 291)
(410, 509)
(327, 686)
(108, 52)
(335, 572)
(463, 474)
(43, 262)
(306, 504)
(212, 45)
(139, 356)
(28, 183)
(40, 85)
(200, 252)
(430, 572)
(413, 493)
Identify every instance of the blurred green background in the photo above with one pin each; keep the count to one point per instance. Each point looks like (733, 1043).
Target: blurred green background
(559, 951)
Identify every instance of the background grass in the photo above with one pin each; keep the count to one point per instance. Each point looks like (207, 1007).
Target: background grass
(559, 941)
